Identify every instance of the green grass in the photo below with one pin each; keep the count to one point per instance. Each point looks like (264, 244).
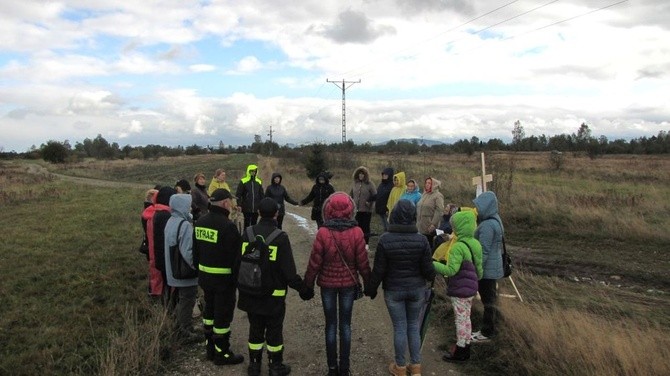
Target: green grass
(69, 267)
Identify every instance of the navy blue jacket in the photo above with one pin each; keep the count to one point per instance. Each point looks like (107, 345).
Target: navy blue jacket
(403, 260)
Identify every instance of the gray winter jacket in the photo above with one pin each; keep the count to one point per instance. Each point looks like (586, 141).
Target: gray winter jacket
(489, 232)
(363, 191)
(180, 206)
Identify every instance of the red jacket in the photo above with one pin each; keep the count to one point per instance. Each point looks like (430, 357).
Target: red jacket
(339, 231)
(155, 276)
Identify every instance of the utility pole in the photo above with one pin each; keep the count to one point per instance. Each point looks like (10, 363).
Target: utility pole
(270, 134)
(344, 86)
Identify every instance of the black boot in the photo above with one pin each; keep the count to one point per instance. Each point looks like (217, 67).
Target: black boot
(222, 354)
(333, 371)
(458, 354)
(277, 367)
(209, 343)
(255, 359)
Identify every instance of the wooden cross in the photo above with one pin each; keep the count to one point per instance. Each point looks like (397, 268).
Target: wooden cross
(480, 181)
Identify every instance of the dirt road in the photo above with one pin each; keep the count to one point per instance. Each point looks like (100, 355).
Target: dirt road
(372, 341)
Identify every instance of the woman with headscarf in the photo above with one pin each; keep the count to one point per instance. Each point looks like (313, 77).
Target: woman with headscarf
(429, 209)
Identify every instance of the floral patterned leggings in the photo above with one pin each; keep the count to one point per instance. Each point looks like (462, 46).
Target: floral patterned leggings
(462, 308)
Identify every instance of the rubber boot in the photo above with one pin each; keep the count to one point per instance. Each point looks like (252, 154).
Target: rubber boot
(209, 343)
(397, 370)
(255, 359)
(277, 367)
(414, 369)
(457, 354)
(222, 354)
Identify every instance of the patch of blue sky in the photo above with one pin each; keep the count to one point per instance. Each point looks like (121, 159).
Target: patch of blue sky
(76, 14)
(531, 51)
(211, 51)
(487, 34)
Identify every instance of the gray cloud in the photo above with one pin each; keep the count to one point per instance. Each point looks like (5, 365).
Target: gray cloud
(653, 71)
(593, 73)
(465, 7)
(353, 27)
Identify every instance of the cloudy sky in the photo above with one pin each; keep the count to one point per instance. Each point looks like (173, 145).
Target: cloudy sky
(180, 72)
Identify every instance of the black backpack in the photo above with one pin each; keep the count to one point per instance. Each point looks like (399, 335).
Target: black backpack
(254, 277)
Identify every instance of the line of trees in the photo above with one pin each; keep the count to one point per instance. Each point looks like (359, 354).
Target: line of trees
(581, 141)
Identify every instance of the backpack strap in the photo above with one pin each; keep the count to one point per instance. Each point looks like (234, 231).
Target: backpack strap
(179, 230)
(250, 234)
(273, 235)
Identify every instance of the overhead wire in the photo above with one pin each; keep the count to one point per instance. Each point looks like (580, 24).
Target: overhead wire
(548, 25)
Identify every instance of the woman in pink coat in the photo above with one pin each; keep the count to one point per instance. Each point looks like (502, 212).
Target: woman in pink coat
(338, 257)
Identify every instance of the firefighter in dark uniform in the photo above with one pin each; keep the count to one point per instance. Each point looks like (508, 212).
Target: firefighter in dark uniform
(266, 313)
(216, 247)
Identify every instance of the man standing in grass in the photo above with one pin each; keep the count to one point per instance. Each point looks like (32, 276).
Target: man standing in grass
(215, 251)
(249, 194)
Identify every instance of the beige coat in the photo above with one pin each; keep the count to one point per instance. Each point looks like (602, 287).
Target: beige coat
(430, 208)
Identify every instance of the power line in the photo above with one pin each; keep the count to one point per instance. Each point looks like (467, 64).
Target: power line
(552, 24)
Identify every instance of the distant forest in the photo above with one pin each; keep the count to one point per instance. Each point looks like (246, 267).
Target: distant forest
(580, 142)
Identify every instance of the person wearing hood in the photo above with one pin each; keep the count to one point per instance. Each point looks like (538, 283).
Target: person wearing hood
(403, 265)
(216, 250)
(179, 231)
(278, 192)
(156, 232)
(490, 233)
(200, 197)
(249, 194)
(463, 268)
(363, 192)
(321, 190)
(411, 192)
(429, 209)
(398, 189)
(337, 259)
(382, 197)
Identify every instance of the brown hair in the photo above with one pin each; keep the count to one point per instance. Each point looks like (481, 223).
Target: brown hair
(198, 175)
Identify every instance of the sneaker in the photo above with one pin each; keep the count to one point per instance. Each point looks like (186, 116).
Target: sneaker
(479, 337)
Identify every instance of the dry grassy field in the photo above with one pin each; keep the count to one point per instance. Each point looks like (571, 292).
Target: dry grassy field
(590, 242)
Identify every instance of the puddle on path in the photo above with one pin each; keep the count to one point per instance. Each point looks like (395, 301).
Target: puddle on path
(303, 222)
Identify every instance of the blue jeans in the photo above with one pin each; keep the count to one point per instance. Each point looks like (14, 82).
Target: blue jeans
(404, 307)
(331, 298)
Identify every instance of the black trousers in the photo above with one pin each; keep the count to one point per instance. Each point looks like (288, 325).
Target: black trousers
(250, 219)
(489, 294)
(280, 220)
(266, 329)
(219, 308)
(363, 219)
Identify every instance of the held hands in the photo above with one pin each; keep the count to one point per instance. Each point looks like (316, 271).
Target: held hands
(306, 293)
(369, 291)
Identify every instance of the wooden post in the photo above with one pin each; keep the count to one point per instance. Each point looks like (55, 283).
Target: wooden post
(480, 181)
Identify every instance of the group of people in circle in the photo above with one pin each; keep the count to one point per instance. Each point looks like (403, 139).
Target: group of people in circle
(422, 237)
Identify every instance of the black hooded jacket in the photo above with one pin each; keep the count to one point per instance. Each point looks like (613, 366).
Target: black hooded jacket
(319, 194)
(383, 191)
(278, 192)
